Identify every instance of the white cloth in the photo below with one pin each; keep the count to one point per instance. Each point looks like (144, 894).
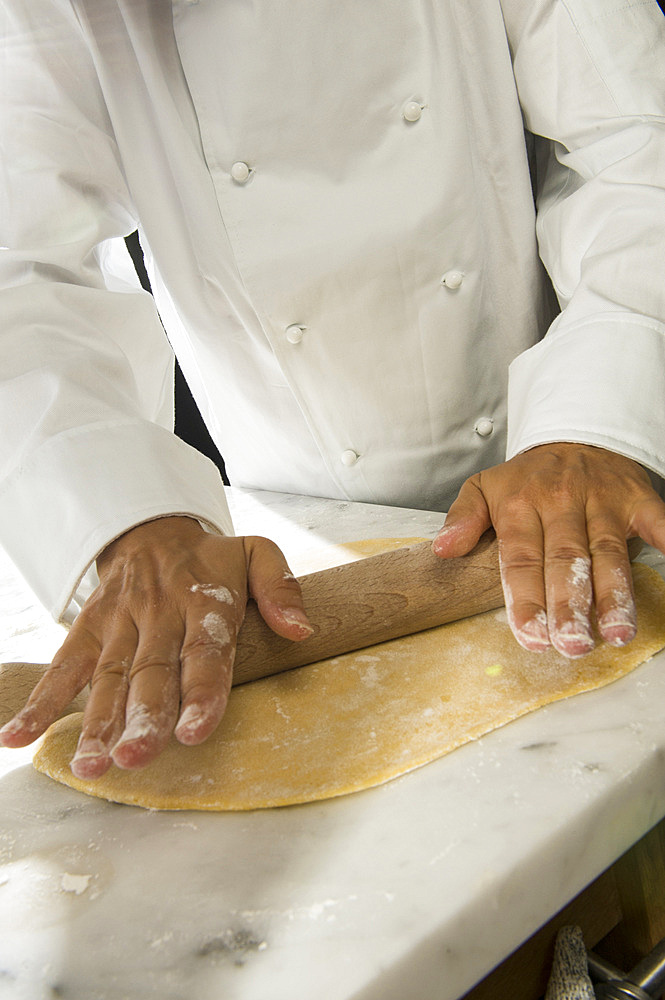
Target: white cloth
(336, 206)
(569, 978)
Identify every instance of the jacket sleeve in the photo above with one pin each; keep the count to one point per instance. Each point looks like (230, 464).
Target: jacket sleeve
(591, 81)
(86, 373)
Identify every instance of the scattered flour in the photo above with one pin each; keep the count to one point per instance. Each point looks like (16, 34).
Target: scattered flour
(222, 594)
(315, 911)
(581, 596)
(74, 883)
(140, 723)
(623, 613)
(217, 628)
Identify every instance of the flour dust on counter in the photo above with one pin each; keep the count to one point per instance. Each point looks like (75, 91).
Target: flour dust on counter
(361, 719)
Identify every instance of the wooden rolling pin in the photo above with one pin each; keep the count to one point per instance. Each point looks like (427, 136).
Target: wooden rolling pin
(373, 600)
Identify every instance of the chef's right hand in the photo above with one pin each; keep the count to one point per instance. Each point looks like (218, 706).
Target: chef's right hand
(156, 640)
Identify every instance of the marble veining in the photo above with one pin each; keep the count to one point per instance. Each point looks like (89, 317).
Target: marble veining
(416, 888)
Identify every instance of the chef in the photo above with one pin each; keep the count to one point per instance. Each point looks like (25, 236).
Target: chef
(406, 253)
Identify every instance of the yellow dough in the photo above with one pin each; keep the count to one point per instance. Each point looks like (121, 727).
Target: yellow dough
(358, 720)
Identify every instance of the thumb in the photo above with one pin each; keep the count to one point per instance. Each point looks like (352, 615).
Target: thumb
(467, 520)
(275, 589)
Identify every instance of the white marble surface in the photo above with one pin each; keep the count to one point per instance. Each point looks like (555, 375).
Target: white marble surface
(415, 889)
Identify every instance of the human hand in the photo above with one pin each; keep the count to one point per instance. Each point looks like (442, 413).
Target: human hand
(563, 514)
(156, 640)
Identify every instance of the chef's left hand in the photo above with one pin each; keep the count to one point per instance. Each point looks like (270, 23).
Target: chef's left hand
(563, 514)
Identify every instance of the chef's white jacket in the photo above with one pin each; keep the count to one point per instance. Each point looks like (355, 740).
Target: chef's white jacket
(336, 201)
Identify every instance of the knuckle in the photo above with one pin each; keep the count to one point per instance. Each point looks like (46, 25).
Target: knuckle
(520, 556)
(219, 593)
(264, 555)
(149, 604)
(150, 662)
(608, 545)
(285, 589)
(204, 649)
(111, 669)
(83, 640)
(268, 544)
(71, 667)
(566, 554)
(213, 635)
(650, 507)
(471, 490)
(260, 547)
(606, 532)
(212, 602)
(515, 509)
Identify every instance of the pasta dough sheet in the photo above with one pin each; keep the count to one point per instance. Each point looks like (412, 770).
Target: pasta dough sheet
(360, 719)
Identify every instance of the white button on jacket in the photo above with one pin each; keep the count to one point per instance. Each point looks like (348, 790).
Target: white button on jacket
(453, 279)
(412, 111)
(294, 333)
(484, 427)
(240, 172)
(129, 112)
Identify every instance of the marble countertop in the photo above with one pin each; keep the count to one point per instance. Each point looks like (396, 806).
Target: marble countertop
(416, 888)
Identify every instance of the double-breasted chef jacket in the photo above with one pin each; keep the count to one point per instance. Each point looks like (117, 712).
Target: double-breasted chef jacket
(390, 243)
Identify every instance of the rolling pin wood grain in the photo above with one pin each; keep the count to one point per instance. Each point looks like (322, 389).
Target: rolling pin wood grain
(373, 600)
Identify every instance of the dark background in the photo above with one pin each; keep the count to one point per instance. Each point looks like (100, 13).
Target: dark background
(188, 421)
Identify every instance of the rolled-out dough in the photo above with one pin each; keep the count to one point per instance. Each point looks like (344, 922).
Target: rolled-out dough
(358, 720)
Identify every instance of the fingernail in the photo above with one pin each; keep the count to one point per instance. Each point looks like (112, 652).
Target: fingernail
(617, 627)
(296, 616)
(87, 757)
(19, 726)
(573, 639)
(533, 635)
(190, 723)
(10, 729)
(445, 533)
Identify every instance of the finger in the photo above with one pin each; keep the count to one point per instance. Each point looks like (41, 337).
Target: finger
(467, 520)
(612, 580)
(521, 564)
(104, 716)
(206, 670)
(568, 583)
(67, 675)
(612, 576)
(154, 695)
(648, 521)
(276, 590)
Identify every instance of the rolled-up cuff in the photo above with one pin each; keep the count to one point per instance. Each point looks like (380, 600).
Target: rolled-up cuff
(89, 485)
(600, 383)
